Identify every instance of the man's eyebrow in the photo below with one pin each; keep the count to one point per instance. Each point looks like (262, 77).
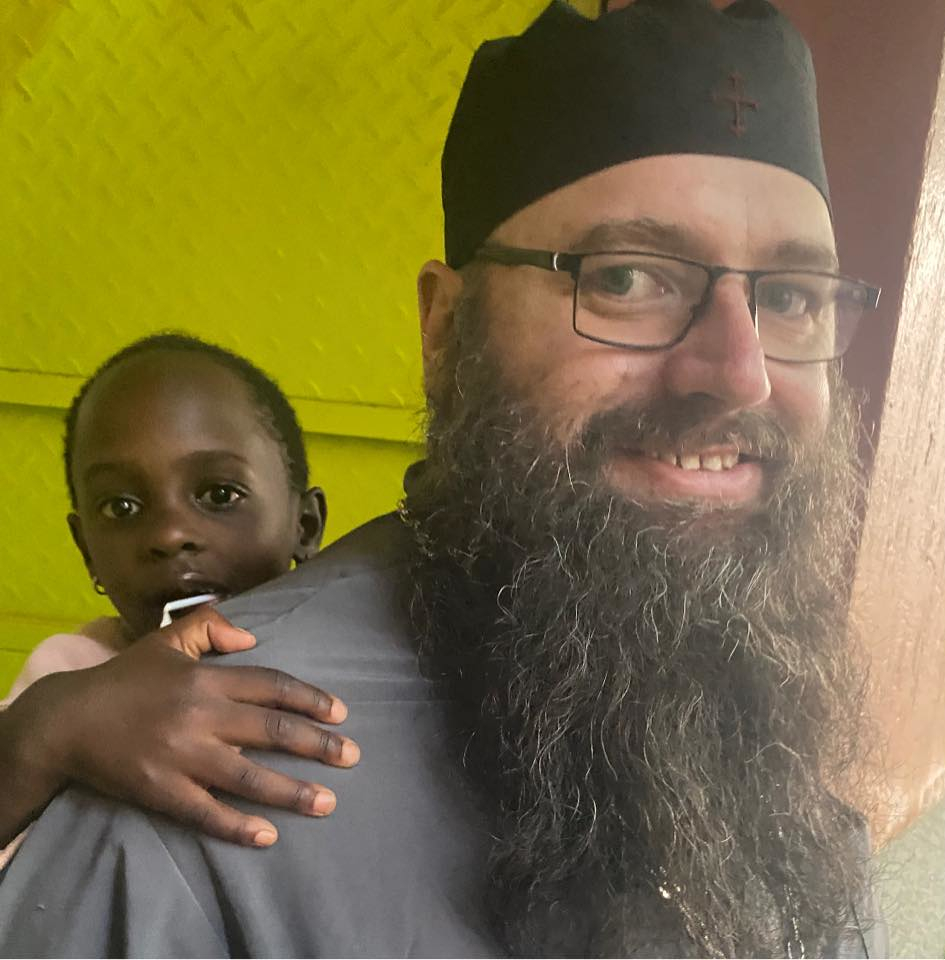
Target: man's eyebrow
(645, 231)
(676, 240)
(804, 255)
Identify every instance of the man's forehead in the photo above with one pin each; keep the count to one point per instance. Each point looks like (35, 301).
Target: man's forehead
(707, 208)
(685, 240)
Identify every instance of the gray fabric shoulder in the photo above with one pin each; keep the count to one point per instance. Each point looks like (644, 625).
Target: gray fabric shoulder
(97, 880)
(339, 620)
(399, 868)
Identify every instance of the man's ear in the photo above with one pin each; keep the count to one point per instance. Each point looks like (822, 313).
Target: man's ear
(438, 291)
(313, 512)
(75, 528)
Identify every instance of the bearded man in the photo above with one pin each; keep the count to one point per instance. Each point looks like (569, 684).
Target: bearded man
(598, 665)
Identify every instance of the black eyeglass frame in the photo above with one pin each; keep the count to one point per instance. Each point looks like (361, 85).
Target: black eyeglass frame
(559, 261)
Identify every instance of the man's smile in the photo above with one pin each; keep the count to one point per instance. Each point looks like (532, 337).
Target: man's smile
(718, 473)
(709, 458)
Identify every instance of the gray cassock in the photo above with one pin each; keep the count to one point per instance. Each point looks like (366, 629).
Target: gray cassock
(399, 869)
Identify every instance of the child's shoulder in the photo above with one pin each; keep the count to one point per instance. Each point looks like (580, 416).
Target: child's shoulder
(90, 645)
(109, 632)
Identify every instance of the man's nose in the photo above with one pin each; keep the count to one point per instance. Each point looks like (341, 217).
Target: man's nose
(173, 531)
(721, 355)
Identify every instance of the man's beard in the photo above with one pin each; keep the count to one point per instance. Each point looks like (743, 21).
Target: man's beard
(655, 699)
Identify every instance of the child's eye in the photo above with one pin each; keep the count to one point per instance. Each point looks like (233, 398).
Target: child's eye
(220, 495)
(119, 508)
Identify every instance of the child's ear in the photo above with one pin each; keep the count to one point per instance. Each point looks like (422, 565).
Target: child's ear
(313, 512)
(438, 291)
(75, 528)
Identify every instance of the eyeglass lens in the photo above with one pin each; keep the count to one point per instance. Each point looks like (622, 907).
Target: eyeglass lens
(648, 301)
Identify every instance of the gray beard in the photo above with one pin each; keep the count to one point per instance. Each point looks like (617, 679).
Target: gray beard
(652, 700)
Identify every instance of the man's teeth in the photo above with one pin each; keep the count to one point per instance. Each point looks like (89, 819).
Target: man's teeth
(713, 462)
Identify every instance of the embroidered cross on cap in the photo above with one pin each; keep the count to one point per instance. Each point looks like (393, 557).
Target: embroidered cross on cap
(739, 103)
(572, 96)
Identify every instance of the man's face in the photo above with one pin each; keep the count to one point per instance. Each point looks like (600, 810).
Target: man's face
(717, 210)
(651, 660)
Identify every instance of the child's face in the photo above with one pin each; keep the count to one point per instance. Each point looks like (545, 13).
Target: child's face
(180, 489)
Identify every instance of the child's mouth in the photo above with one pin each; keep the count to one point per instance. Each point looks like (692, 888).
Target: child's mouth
(189, 593)
(192, 590)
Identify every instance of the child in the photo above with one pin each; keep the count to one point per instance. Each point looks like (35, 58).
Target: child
(187, 475)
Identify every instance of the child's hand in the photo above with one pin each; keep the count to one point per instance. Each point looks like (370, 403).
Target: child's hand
(157, 727)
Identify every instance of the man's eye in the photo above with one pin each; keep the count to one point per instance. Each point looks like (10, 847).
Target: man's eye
(616, 280)
(785, 301)
(630, 283)
(119, 508)
(220, 495)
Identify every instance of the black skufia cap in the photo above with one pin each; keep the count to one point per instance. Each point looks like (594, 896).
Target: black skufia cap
(572, 96)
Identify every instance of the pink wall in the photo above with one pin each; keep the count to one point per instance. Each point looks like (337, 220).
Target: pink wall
(877, 67)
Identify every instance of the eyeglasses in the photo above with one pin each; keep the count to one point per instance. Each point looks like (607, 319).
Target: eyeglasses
(645, 301)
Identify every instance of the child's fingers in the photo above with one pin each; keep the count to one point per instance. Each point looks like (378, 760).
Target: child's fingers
(265, 687)
(204, 631)
(224, 637)
(191, 804)
(244, 778)
(263, 728)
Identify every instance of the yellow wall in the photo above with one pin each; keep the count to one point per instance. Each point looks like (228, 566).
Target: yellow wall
(262, 173)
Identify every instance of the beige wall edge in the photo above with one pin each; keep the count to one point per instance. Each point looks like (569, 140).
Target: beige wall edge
(899, 590)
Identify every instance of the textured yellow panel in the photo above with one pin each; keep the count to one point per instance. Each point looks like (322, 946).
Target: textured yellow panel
(42, 572)
(361, 478)
(264, 173)
(24, 27)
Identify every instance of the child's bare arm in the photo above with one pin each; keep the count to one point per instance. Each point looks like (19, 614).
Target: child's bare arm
(157, 727)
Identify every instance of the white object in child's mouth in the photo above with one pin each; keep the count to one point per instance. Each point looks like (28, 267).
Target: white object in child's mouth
(175, 608)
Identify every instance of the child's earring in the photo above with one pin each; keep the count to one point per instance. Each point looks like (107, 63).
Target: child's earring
(98, 588)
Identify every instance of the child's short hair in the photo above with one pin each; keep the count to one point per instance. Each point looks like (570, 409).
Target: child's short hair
(276, 413)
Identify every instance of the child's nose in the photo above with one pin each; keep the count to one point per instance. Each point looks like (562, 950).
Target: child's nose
(173, 533)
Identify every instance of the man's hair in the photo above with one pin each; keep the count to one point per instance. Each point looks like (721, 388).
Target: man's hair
(275, 412)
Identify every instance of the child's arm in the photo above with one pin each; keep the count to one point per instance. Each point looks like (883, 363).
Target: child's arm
(157, 727)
